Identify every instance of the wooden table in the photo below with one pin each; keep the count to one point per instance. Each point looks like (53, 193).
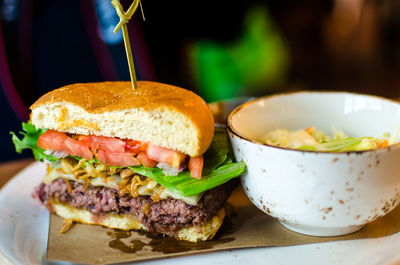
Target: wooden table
(10, 168)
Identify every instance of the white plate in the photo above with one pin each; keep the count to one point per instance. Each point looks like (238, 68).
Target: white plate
(24, 227)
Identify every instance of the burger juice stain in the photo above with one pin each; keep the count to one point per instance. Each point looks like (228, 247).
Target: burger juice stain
(134, 246)
(159, 243)
(169, 245)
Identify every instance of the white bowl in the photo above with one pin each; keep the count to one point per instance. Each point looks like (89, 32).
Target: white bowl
(318, 193)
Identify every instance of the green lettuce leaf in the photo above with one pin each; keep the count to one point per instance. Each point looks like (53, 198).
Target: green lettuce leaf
(29, 141)
(184, 184)
(218, 166)
(218, 169)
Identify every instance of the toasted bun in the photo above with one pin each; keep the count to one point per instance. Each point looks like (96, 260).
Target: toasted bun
(162, 114)
(128, 222)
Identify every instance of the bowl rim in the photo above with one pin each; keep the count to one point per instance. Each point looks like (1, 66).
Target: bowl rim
(230, 128)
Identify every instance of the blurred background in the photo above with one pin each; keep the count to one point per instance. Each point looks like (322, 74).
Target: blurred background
(220, 50)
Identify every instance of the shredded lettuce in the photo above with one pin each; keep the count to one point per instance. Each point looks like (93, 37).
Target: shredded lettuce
(312, 140)
(218, 166)
(346, 145)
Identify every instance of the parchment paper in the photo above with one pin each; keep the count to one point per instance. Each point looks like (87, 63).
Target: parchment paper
(245, 227)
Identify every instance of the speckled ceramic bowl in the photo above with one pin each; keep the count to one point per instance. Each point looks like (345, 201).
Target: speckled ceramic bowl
(318, 193)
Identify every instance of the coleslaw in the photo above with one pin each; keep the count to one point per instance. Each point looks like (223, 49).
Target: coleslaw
(312, 139)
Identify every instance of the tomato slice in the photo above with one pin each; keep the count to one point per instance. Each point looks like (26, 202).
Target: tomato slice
(116, 152)
(135, 147)
(196, 166)
(117, 159)
(145, 160)
(108, 144)
(164, 155)
(58, 141)
(109, 151)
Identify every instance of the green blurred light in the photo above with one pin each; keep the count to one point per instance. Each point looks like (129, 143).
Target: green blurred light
(259, 58)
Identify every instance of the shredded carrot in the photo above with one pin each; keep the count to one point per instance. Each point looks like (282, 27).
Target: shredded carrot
(309, 129)
(385, 143)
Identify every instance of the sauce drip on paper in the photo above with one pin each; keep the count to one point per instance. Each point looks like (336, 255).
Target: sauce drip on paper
(134, 246)
(169, 245)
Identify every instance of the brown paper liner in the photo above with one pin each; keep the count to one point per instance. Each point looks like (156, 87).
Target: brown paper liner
(244, 227)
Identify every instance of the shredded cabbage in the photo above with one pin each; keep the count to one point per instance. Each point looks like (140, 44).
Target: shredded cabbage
(313, 140)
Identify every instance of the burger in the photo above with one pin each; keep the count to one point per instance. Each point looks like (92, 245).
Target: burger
(144, 159)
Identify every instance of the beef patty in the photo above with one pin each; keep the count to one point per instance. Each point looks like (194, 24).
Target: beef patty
(165, 216)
